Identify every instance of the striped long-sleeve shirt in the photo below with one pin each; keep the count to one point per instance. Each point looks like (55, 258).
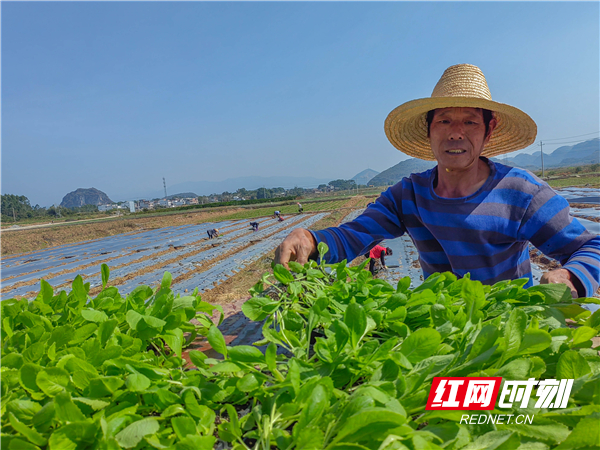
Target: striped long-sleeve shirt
(485, 234)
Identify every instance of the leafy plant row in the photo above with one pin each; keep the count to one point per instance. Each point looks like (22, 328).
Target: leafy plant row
(346, 363)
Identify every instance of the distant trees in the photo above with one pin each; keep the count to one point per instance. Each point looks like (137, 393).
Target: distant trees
(343, 184)
(18, 207)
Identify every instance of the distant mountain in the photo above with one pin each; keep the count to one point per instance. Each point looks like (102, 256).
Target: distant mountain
(364, 176)
(233, 184)
(587, 152)
(401, 170)
(81, 197)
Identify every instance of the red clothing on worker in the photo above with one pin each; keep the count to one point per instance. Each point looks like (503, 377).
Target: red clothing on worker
(376, 251)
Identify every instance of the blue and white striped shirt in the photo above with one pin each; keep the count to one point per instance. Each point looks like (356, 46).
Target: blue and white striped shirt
(485, 234)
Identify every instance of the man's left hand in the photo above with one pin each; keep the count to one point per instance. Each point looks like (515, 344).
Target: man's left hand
(561, 276)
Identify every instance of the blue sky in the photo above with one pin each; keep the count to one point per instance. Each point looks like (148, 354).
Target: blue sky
(117, 95)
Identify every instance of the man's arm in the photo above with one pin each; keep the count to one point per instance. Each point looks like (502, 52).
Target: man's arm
(548, 226)
(379, 221)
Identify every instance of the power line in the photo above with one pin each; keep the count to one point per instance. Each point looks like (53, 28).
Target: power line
(562, 143)
(571, 137)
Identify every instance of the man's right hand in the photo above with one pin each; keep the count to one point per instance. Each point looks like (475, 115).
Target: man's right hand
(299, 246)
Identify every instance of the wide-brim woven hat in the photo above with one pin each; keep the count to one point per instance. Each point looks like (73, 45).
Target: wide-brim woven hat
(462, 85)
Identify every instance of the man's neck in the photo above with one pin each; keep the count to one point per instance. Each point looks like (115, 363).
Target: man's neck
(461, 183)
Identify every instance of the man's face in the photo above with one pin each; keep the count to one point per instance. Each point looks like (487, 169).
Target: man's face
(457, 136)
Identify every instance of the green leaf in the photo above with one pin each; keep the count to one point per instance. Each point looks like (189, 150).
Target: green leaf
(106, 330)
(61, 336)
(137, 382)
(32, 436)
(197, 358)
(52, 380)
(105, 271)
(534, 341)
(183, 426)
(78, 289)
(585, 435)
(66, 410)
(166, 281)
(322, 248)
(513, 334)
(133, 433)
(246, 354)
(46, 291)
(355, 318)
(271, 357)
(495, 440)
(91, 315)
(96, 405)
(73, 436)
(196, 443)
(311, 437)
(421, 344)
(370, 422)
(554, 433)
(248, 383)
(83, 332)
(315, 407)
(581, 335)
(553, 293)
(103, 386)
(174, 339)
(298, 268)
(217, 341)
(258, 308)
(282, 274)
(571, 365)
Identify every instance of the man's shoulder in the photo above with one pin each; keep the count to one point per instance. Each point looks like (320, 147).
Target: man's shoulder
(516, 175)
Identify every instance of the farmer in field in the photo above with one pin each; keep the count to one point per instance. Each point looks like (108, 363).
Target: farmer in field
(468, 214)
(213, 233)
(378, 253)
(300, 208)
(254, 226)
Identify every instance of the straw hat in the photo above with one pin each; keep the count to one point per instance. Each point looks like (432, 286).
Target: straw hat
(462, 85)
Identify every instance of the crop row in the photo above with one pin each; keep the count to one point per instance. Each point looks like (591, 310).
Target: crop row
(347, 363)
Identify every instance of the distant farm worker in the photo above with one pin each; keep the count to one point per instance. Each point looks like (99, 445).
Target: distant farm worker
(468, 214)
(254, 226)
(300, 208)
(276, 214)
(213, 233)
(378, 252)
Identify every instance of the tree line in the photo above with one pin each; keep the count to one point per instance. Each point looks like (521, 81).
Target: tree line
(18, 207)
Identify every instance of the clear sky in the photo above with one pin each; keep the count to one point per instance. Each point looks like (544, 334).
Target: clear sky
(117, 95)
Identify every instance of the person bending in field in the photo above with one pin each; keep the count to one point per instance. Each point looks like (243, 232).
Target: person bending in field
(468, 214)
(276, 215)
(254, 226)
(213, 233)
(300, 208)
(378, 252)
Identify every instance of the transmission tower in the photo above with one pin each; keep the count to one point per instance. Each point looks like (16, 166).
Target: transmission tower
(165, 186)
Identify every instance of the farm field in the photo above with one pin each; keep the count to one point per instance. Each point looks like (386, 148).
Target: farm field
(150, 337)
(15, 240)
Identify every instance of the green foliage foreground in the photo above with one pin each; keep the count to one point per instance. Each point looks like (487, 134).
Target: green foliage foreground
(346, 363)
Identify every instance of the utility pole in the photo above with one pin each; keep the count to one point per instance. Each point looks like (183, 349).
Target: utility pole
(165, 186)
(542, 155)
(14, 217)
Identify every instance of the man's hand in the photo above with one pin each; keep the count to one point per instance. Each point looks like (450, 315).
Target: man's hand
(562, 276)
(299, 246)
